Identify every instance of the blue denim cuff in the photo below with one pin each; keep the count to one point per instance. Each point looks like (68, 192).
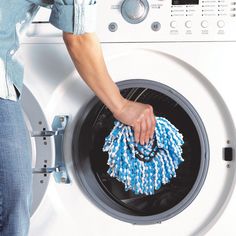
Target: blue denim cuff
(76, 18)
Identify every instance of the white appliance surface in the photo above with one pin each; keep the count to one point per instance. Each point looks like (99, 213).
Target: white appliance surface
(188, 47)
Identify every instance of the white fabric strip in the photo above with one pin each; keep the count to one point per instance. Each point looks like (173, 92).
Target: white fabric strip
(7, 90)
(84, 16)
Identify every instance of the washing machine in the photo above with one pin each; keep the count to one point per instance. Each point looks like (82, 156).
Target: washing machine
(176, 55)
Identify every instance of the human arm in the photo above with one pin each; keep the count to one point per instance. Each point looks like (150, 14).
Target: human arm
(77, 19)
(87, 56)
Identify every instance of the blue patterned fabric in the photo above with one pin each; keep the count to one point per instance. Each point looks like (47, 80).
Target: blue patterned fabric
(144, 168)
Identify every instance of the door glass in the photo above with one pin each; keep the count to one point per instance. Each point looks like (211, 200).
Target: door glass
(91, 161)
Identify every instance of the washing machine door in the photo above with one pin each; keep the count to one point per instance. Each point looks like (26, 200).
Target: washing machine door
(46, 146)
(91, 162)
(178, 92)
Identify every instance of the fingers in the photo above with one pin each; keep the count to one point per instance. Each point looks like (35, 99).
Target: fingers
(148, 128)
(143, 130)
(153, 122)
(144, 126)
(140, 130)
(149, 125)
(137, 129)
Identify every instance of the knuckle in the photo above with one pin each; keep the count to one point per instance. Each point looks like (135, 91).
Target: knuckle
(139, 119)
(150, 107)
(141, 116)
(147, 109)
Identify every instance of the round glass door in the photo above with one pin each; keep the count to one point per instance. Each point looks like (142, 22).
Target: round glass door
(90, 162)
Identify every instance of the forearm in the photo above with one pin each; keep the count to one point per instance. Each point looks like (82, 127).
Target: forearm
(86, 53)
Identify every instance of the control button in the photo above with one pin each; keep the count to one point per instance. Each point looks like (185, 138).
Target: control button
(156, 26)
(188, 24)
(228, 153)
(173, 24)
(204, 24)
(113, 27)
(220, 23)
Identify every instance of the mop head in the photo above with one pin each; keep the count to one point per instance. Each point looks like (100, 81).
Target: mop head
(144, 168)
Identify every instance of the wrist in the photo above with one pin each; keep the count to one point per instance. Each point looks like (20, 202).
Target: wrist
(120, 107)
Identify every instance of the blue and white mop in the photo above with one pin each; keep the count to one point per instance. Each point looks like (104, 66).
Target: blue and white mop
(144, 168)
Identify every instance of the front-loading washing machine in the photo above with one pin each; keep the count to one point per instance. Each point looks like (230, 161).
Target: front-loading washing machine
(177, 56)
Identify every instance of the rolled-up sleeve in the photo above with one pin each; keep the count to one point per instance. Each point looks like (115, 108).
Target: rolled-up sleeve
(74, 16)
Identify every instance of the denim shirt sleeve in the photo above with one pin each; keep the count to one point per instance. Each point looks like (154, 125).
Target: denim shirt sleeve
(74, 16)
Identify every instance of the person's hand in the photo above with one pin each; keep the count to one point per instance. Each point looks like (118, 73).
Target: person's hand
(140, 117)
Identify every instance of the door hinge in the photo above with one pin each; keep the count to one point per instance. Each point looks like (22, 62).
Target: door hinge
(59, 170)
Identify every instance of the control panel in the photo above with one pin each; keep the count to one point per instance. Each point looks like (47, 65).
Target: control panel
(167, 20)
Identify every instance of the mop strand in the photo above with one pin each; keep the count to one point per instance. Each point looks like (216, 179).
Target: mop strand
(144, 168)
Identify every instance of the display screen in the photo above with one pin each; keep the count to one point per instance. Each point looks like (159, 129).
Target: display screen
(185, 2)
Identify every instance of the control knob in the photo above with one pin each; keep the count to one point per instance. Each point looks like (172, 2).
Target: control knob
(134, 11)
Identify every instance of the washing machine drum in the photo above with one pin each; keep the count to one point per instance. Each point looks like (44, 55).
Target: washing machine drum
(108, 193)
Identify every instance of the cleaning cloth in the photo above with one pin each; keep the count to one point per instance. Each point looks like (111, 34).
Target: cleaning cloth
(144, 168)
